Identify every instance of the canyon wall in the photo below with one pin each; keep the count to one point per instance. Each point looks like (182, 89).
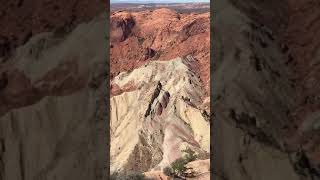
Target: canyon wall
(159, 88)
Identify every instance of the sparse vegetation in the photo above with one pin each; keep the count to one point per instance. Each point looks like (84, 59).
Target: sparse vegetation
(178, 167)
(190, 155)
(128, 176)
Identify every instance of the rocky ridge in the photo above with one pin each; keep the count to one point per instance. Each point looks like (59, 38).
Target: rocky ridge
(161, 114)
(162, 34)
(159, 102)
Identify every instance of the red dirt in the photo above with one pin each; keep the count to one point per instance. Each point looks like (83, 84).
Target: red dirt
(162, 34)
(116, 90)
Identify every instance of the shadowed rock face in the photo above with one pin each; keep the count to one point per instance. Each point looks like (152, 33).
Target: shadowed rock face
(53, 106)
(273, 14)
(22, 19)
(266, 87)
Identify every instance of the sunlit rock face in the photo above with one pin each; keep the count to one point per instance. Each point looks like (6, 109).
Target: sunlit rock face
(159, 112)
(162, 34)
(159, 88)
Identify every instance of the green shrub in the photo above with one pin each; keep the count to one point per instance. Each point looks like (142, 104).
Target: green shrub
(128, 176)
(178, 167)
(190, 155)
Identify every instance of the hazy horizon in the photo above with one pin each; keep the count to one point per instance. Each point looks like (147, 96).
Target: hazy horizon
(159, 1)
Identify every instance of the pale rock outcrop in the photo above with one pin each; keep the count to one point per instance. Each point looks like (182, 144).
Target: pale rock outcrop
(198, 170)
(153, 122)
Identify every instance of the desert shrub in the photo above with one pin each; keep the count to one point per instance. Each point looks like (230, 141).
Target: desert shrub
(178, 167)
(190, 155)
(167, 171)
(128, 176)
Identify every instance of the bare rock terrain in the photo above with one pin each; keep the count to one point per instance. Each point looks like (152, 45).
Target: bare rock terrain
(53, 106)
(265, 93)
(162, 34)
(162, 114)
(159, 89)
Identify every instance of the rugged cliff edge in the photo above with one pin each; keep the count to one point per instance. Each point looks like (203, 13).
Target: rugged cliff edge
(265, 94)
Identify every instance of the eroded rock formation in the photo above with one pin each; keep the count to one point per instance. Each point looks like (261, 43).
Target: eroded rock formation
(162, 34)
(162, 115)
(160, 98)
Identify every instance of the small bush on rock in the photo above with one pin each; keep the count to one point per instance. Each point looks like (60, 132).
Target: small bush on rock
(167, 171)
(190, 155)
(178, 167)
(128, 176)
